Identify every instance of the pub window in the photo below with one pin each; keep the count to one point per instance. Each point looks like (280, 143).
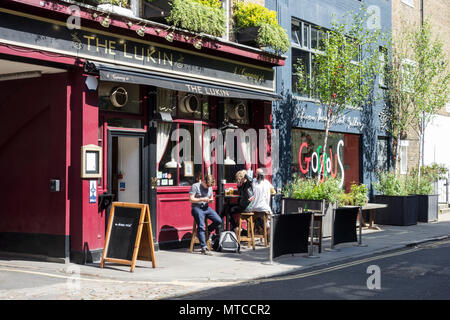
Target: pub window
(119, 97)
(237, 111)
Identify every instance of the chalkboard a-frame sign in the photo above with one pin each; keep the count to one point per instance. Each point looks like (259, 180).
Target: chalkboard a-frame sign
(129, 235)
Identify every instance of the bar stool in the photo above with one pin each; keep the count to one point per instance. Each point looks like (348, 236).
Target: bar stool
(195, 240)
(248, 217)
(263, 236)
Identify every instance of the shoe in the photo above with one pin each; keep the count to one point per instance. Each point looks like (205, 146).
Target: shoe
(206, 251)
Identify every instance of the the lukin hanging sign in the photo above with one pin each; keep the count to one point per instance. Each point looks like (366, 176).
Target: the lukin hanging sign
(17, 28)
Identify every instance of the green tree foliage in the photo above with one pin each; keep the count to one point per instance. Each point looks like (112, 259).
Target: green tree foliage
(345, 70)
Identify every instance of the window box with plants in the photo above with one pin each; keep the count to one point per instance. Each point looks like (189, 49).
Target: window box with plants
(257, 26)
(197, 16)
(308, 194)
(428, 201)
(402, 207)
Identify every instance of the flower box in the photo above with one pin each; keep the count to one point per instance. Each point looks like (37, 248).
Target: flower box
(401, 210)
(428, 208)
(247, 36)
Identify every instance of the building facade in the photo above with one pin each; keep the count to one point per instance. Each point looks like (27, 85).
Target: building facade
(359, 143)
(415, 12)
(94, 114)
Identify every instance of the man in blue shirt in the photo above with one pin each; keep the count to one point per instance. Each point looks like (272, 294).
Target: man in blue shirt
(200, 195)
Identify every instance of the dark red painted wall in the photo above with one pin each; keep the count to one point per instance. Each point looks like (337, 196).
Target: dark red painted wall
(33, 151)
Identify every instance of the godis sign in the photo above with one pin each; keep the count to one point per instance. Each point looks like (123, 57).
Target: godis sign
(310, 161)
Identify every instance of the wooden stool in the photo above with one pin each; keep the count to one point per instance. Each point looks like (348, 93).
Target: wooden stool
(248, 217)
(264, 235)
(195, 240)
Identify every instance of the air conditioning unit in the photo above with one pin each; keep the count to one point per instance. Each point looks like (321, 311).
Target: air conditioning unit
(118, 97)
(190, 104)
(238, 111)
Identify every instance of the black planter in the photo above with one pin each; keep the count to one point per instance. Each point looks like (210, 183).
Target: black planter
(156, 10)
(291, 205)
(247, 36)
(428, 207)
(401, 210)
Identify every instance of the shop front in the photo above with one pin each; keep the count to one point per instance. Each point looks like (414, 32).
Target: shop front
(128, 118)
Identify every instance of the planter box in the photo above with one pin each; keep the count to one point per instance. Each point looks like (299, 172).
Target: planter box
(247, 36)
(428, 208)
(156, 10)
(401, 210)
(289, 205)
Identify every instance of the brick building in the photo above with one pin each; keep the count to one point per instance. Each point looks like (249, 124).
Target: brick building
(438, 13)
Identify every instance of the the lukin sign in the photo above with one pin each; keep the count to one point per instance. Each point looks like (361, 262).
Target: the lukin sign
(35, 32)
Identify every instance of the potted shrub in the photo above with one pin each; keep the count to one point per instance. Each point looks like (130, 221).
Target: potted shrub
(309, 194)
(424, 189)
(402, 208)
(256, 25)
(198, 16)
(356, 197)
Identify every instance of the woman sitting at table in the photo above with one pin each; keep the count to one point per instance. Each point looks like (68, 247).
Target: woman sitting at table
(246, 196)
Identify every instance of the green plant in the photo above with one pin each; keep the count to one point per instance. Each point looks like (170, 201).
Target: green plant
(343, 73)
(270, 33)
(247, 14)
(274, 37)
(195, 16)
(345, 199)
(356, 197)
(429, 175)
(390, 185)
(310, 189)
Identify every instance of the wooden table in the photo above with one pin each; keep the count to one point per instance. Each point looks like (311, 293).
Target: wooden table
(371, 207)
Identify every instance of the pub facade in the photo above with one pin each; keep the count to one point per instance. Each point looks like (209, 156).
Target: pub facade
(92, 115)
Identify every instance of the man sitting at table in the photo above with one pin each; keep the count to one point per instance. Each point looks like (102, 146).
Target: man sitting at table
(246, 196)
(262, 189)
(200, 195)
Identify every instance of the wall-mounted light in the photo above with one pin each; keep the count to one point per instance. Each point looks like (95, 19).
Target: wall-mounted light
(105, 22)
(95, 15)
(141, 31)
(198, 44)
(130, 24)
(169, 37)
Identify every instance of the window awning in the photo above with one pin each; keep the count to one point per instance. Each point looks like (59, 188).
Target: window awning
(136, 76)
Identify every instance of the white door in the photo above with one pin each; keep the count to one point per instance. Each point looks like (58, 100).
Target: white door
(128, 167)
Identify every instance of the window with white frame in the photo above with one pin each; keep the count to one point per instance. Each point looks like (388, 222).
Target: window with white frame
(383, 67)
(408, 70)
(404, 156)
(306, 40)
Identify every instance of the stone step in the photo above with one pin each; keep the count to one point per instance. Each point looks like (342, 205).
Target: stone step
(444, 210)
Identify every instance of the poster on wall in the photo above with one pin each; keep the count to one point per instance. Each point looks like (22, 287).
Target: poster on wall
(92, 191)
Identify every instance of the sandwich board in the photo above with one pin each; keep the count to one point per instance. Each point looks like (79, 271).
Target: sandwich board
(129, 235)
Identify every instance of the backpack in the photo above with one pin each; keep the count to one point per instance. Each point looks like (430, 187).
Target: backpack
(226, 242)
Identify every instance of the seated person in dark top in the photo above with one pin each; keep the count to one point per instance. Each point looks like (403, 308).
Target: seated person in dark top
(245, 191)
(200, 195)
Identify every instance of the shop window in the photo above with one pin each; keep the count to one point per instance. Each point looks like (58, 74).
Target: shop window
(237, 111)
(179, 162)
(308, 145)
(183, 105)
(119, 97)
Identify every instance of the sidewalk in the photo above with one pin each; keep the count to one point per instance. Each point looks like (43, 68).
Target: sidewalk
(180, 272)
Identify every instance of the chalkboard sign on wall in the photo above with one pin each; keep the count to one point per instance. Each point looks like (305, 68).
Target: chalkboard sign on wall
(129, 224)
